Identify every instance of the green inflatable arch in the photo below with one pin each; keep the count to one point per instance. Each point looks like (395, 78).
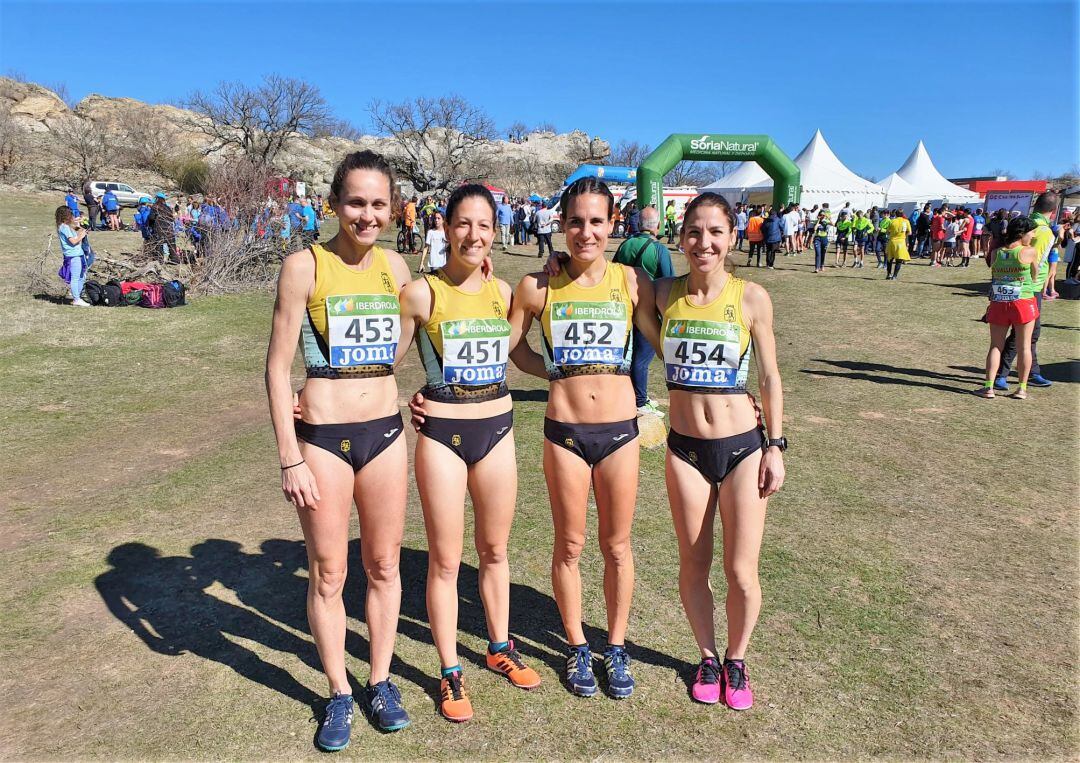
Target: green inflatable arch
(716, 148)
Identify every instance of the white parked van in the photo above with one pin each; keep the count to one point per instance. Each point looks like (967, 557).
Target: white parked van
(124, 193)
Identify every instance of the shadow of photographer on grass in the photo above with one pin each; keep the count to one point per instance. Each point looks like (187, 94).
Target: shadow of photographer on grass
(165, 602)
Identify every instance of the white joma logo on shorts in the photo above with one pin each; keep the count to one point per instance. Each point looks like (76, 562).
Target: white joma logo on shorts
(620, 437)
(739, 452)
(391, 432)
(500, 431)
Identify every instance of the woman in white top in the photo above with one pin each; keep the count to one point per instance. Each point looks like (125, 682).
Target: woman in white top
(435, 245)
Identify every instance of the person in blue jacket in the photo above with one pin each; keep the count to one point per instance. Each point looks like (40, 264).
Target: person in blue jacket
(111, 205)
(142, 217)
(72, 202)
(774, 236)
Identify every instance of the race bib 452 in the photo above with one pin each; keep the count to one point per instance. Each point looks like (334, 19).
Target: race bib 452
(364, 329)
(584, 333)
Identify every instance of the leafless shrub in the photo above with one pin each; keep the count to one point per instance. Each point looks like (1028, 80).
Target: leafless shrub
(14, 143)
(696, 173)
(545, 127)
(439, 138)
(516, 132)
(339, 128)
(629, 153)
(146, 140)
(82, 146)
(261, 121)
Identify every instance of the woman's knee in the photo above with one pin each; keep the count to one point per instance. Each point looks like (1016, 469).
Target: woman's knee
(444, 568)
(382, 568)
(743, 577)
(491, 554)
(617, 552)
(329, 580)
(568, 548)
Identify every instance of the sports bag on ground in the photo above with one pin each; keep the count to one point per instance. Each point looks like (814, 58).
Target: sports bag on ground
(152, 296)
(173, 292)
(93, 292)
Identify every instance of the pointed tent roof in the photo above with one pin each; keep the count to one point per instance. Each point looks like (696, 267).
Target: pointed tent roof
(898, 190)
(824, 178)
(919, 171)
(746, 176)
(824, 174)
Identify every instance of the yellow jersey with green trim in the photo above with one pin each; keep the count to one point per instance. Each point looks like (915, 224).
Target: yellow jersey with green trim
(706, 347)
(353, 320)
(586, 329)
(465, 344)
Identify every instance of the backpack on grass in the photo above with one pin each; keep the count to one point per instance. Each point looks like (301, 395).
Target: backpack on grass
(152, 296)
(94, 293)
(173, 293)
(112, 294)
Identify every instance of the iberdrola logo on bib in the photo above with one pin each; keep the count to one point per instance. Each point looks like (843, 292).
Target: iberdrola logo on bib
(677, 328)
(564, 310)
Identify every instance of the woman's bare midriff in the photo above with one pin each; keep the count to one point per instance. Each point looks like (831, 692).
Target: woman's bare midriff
(709, 417)
(599, 399)
(484, 410)
(348, 401)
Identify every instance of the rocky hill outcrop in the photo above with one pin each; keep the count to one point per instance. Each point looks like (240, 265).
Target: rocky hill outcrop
(32, 115)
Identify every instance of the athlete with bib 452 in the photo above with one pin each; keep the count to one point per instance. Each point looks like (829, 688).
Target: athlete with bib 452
(718, 456)
(341, 302)
(586, 314)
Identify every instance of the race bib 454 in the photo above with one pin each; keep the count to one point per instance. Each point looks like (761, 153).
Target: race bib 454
(364, 329)
(703, 354)
(584, 333)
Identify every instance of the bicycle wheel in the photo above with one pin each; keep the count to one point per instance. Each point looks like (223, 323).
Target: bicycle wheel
(417, 242)
(401, 245)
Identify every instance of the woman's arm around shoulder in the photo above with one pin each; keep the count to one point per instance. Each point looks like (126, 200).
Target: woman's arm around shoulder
(645, 315)
(526, 305)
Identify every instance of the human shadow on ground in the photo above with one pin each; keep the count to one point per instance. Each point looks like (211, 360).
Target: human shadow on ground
(53, 298)
(164, 600)
(875, 373)
(1065, 371)
(1063, 328)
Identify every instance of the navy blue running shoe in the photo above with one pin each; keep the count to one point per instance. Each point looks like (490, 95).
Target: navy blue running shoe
(382, 703)
(617, 665)
(337, 723)
(579, 672)
(1001, 384)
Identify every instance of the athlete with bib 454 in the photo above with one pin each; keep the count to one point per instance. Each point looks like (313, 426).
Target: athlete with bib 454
(341, 301)
(718, 456)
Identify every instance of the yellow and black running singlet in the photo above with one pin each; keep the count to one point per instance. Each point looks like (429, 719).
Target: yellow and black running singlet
(706, 347)
(353, 319)
(586, 329)
(465, 344)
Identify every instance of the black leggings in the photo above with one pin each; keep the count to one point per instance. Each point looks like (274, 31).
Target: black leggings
(470, 439)
(892, 268)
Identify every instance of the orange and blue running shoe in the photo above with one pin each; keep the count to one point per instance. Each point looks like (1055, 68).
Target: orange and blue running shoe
(508, 662)
(737, 694)
(454, 703)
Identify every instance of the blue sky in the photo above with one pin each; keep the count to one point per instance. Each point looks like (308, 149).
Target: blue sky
(986, 85)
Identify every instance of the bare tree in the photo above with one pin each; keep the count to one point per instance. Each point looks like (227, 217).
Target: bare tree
(147, 140)
(62, 92)
(516, 132)
(1000, 173)
(545, 127)
(629, 153)
(339, 128)
(439, 138)
(83, 146)
(258, 122)
(14, 142)
(696, 173)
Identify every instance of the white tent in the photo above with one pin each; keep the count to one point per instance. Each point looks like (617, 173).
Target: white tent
(736, 186)
(824, 179)
(900, 191)
(919, 171)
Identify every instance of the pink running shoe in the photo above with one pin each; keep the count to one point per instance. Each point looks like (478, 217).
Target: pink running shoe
(737, 694)
(706, 688)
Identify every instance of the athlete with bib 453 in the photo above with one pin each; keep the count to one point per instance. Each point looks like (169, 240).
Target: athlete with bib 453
(718, 457)
(341, 301)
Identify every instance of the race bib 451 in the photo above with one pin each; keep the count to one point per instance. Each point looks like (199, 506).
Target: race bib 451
(364, 329)
(475, 350)
(584, 333)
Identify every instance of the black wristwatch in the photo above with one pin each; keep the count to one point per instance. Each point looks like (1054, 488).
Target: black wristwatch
(778, 442)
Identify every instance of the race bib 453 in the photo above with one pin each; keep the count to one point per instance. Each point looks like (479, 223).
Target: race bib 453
(364, 329)
(475, 350)
(584, 333)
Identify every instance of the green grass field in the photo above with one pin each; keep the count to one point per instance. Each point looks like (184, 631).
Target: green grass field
(919, 566)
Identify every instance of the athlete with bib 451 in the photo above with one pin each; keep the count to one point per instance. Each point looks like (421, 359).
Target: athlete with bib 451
(341, 301)
(466, 441)
(718, 456)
